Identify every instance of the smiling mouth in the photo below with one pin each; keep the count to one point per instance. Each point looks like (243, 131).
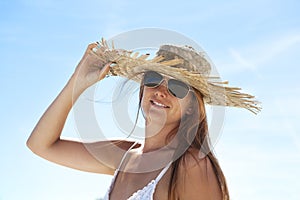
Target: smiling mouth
(160, 105)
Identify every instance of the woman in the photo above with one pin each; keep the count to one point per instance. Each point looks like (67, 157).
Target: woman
(175, 161)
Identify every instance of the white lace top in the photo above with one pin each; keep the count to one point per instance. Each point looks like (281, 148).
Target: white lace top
(146, 193)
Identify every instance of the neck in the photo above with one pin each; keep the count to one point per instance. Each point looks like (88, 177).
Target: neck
(156, 136)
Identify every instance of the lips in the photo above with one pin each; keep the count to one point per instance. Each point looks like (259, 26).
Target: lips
(158, 104)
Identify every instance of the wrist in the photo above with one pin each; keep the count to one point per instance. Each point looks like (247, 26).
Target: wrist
(76, 86)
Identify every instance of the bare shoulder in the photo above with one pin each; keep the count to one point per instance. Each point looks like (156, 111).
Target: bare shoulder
(197, 178)
(110, 152)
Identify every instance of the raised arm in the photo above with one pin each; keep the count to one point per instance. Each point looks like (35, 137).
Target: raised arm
(45, 139)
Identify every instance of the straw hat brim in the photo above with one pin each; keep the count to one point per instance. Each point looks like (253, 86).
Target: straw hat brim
(182, 63)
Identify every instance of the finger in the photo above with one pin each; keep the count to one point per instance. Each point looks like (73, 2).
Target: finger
(92, 45)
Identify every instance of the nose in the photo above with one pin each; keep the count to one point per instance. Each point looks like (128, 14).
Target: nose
(162, 89)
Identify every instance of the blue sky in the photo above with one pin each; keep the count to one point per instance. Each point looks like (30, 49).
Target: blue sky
(254, 44)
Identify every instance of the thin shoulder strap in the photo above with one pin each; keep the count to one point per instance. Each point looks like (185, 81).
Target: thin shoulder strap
(160, 175)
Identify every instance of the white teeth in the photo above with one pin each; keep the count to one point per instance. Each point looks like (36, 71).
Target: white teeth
(159, 104)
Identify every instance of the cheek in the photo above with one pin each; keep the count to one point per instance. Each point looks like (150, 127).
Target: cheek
(180, 108)
(147, 91)
(145, 104)
(186, 105)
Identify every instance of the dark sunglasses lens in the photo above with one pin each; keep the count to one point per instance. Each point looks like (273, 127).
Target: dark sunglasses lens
(178, 88)
(152, 79)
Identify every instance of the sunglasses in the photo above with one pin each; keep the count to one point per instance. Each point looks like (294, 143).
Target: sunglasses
(175, 87)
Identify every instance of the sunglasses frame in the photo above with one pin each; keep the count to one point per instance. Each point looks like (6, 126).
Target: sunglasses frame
(163, 78)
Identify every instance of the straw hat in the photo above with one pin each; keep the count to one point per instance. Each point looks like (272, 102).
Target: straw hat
(182, 63)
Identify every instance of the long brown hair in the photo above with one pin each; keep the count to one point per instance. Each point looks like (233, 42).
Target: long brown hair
(193, 132)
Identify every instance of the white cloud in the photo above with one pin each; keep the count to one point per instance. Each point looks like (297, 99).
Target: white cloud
(259, 53)
(240, 60)
(271, 49)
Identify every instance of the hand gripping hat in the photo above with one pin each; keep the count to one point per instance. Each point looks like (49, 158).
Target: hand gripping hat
(182, 63)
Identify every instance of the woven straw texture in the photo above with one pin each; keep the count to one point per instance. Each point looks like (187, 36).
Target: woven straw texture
(182, 63)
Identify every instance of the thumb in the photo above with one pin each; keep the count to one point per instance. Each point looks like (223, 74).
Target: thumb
(104, 71)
